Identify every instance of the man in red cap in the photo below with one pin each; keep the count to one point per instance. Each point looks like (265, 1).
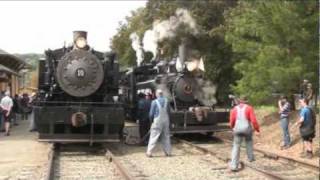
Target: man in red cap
(242, 118)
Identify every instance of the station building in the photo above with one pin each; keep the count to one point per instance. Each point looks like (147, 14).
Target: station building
(12, 70)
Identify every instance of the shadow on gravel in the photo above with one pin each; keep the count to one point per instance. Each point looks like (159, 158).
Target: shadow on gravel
(317, 152)
(270, 119)
(199, 138)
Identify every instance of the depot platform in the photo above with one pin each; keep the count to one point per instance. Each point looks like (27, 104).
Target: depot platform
(21, 155)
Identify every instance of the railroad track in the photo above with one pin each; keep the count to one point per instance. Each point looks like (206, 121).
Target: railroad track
(185, 163)
(281, 158)
(267, 164)
(83, 162)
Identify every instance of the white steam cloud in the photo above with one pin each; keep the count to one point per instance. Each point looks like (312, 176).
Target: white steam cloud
(136, 45)
(168, 29)
(206, 92)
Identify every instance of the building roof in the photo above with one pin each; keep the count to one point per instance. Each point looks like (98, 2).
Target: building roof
(7, 70)
(12, 64)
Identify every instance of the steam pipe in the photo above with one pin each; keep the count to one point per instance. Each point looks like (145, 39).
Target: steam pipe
(182, 51)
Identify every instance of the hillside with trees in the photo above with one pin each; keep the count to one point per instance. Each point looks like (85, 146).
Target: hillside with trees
(31, 76)
(256, 48)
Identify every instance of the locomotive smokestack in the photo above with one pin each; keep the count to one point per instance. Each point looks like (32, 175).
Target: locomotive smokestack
(80, 40)
(180, 63)
(182, 51)
(78, 34)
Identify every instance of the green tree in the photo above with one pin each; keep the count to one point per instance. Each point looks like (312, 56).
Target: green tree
(121, 43)
(209, 43)
(275, 45)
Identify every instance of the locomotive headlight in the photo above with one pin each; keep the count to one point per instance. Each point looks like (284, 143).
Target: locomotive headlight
(81, 42)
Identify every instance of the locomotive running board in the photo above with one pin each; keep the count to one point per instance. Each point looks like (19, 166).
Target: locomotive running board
(77, 140)
(69, 138)
(199, 129)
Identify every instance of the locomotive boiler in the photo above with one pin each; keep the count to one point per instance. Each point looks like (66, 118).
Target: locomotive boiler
(77, 95)
(192, 98)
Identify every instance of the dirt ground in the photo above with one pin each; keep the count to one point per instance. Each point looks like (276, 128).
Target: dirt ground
(271, 135)
(21, 155)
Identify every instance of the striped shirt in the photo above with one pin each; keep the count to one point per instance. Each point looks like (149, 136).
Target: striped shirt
(286, 110)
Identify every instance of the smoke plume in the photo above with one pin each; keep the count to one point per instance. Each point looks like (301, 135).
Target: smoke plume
(136, 45)
(168, 29)
(206, 93)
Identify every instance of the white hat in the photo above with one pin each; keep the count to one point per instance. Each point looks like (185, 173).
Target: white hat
(7, 93)
(159, 92)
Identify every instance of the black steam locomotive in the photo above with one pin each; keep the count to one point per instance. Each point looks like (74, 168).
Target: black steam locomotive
(191, 97)
(77, 95)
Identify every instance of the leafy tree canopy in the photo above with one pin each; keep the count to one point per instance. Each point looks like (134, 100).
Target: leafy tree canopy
(210, 42)
(255, 47)
(275, 45)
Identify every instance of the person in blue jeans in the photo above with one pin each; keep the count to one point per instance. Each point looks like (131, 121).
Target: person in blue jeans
(306, 123)
(243, 122)
(284, 111)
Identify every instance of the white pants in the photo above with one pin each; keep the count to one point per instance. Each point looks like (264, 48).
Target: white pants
(160, 130)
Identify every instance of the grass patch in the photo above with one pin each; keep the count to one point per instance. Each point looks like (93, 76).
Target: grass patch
(266, 109)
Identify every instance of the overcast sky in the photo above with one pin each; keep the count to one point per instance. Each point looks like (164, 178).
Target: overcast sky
(32, 27)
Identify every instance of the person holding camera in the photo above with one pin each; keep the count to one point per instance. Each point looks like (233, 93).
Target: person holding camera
(284, 111)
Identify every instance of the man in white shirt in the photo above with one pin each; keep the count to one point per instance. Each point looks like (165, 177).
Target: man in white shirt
(6, 106)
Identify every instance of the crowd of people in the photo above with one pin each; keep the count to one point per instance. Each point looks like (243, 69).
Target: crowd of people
(153, 117)
(14, 109)
(242, 119)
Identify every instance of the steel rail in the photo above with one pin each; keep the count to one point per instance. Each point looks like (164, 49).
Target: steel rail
(52, 155)
(50, 166)
(280, 157)
(123, 171)
(225, 159)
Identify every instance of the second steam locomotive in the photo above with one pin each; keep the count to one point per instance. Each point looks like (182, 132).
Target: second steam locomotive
(192, 98)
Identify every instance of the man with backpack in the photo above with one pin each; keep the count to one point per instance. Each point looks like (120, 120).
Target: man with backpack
(242, 118)
(306, 122)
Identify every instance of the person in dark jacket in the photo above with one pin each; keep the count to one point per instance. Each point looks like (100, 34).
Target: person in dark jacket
(25, 106)
(1, 114)
(144, 104)
(15, 109)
